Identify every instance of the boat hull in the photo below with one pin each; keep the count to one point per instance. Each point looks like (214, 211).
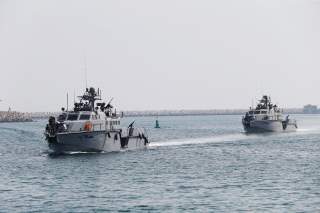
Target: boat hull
(97, 141)
(269, 126)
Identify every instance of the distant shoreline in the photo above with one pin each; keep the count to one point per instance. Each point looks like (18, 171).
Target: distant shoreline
(200, 112)
(154, 113)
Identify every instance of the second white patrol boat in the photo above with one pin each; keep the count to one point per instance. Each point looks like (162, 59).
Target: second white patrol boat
(267, 117)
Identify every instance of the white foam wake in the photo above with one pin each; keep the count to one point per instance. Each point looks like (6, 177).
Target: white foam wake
(215, 139)
(314, 129)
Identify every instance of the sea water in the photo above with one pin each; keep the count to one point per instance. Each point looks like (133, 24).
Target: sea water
(193, 164)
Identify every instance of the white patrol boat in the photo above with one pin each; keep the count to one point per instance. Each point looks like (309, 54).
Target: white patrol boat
(267, 117)
(92, 127)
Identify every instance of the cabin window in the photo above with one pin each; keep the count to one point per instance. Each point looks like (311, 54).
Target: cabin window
(114, 122)
(72, 117)
(263, 112)
(257, 112)
(84, 117)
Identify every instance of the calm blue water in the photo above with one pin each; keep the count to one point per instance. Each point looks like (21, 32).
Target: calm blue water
(194, 164)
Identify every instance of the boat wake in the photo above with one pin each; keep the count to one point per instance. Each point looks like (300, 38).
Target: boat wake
(75, 153)
(315, 129)
(216, 139)
(310, 130)
(230, 138)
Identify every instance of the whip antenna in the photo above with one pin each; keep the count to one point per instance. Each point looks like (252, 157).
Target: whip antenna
(67, 102)
(85, 71)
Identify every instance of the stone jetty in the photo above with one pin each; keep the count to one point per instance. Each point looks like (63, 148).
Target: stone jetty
(13, 116)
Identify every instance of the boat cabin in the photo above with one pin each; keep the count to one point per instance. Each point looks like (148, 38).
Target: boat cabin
(78, 116)
(264, 114)
(81, 121)
(264, 110)
(88, 115)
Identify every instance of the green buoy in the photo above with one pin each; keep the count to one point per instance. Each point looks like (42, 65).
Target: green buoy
(157, 124)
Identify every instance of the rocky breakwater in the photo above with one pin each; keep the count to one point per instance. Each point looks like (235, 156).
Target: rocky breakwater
(13, 116)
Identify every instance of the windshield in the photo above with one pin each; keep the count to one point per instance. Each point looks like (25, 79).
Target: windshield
(72, 117)
(84, 117)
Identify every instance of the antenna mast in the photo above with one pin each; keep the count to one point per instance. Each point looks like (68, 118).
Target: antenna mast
(252, 103)
(74, 96)
(85, 70)
(67, 101)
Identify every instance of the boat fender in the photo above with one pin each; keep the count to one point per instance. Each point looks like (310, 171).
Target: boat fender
(109, 136)
(116, 137)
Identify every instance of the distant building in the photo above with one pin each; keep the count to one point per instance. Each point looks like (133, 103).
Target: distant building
(310, 109)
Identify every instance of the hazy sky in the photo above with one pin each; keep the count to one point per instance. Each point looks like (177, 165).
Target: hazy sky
(168, 54)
